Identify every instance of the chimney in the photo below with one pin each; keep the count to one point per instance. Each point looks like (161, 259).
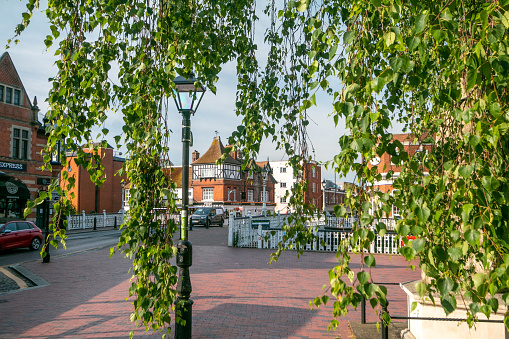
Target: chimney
(196, 155)
(239, 155)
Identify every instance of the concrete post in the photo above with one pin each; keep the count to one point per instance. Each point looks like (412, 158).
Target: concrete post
(104, 218)
(260, 241)
(83, 221)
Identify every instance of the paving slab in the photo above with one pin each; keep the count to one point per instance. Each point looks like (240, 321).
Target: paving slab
(236, 294)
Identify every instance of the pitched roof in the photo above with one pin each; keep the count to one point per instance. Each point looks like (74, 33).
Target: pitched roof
(214, 153)
(175, 174)
(9, 75)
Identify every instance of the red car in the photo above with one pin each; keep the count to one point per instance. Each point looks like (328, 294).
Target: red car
(15, 234)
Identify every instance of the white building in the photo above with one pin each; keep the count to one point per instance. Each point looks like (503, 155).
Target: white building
(283, 173)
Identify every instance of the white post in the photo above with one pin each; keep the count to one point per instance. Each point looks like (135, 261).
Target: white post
(83, 221)
(231, 223)
(315, 240)
(104, 218)
(260, 236)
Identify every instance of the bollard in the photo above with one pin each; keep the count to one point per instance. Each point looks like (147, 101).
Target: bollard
(115, 223)
(95, 224)
(363, 310)
(260, 241)
(384, 327)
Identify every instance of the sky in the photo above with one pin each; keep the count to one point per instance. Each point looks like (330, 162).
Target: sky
(35, 65)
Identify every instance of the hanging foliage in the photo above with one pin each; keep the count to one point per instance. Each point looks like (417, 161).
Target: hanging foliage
(439, 69)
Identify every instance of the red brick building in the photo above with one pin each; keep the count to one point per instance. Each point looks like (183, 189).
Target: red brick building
(91, 198)
(227, 184)
(384, 164)
(312, 173)
(23, 140)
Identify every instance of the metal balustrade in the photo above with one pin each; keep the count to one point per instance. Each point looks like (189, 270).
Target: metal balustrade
(249, 232)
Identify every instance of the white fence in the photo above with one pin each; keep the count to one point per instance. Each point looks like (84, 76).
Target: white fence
(258, 233)
(84, 221)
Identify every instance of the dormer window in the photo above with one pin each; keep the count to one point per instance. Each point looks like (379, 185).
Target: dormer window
(10, 95)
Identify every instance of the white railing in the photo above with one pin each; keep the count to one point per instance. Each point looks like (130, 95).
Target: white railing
(247, 232)
(84, 221)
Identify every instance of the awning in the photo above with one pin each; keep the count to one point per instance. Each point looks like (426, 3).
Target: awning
(13, 188)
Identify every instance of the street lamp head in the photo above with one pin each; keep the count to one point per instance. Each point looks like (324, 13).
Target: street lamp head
(187, 96)
(324, 184)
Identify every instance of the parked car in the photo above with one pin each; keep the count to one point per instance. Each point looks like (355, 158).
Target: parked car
(207, 216)
(16, 234)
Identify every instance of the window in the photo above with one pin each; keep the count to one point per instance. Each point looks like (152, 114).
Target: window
(313, 172)
(1, 93)
(395, 209)
(282, 199)
(17, 95)
(208, 193)
(314, 187)
(20, 143)
(282, 170)
(24, 226)
(283, 184)
(266, 196)
(8, 95)
(207, 172)
(250, 195)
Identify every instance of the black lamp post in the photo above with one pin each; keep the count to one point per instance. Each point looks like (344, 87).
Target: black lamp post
(187, 98)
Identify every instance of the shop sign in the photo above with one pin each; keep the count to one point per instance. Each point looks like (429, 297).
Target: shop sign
(13, 166)
(43, 181)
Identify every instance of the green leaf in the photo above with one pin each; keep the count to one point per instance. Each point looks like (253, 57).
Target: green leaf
(418, 244)
(448, 303)
(471, 78)
(472, 236)
(420, 23)
(445, 285)
(490, 183)
(466, 171)
(423, 213)
(303, 5)
(413, 42)
(370, 260)
(420, 287)
(479, 279)
(363, 277)
(495, 110)
(348, 37)
(389, 38)
(454, 253)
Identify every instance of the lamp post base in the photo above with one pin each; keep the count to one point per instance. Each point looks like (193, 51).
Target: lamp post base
(184, 307)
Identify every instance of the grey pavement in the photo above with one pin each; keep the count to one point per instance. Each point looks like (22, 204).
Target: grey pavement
(236, 294)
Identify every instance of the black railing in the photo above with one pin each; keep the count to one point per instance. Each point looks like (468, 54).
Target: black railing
(384, 328)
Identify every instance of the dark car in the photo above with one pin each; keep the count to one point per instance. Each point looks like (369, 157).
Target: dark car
(16, 234)
(207, 216)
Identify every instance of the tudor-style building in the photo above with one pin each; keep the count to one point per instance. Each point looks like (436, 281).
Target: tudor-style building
(227, 185)
(23, 140)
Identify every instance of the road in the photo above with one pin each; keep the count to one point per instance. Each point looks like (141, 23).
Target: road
(76, 242)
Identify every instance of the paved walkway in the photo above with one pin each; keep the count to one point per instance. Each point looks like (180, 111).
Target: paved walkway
(236, 294)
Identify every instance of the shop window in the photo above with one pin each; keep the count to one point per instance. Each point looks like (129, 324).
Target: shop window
(20, 143)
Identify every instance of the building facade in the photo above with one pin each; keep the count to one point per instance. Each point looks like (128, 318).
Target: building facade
(21, 150)
(227, 184)
(91, 198)
(286, 179)
(384, 164)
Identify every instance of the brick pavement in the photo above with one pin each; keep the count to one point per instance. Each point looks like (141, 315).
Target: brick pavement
(236, 294)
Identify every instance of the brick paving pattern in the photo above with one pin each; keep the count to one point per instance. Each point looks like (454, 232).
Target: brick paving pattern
(236, 294)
